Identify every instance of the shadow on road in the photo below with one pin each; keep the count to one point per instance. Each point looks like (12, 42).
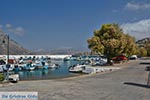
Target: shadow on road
(137, 84)
(145, 63)
(145, 58)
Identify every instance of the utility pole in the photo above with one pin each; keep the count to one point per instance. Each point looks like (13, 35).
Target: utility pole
(7, 62)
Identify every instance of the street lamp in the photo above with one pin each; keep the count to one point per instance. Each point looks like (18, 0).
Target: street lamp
(7, 62)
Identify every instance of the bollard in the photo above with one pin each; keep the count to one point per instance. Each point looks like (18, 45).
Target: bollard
(148, 80)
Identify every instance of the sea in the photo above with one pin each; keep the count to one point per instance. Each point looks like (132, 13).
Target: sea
(46, 74)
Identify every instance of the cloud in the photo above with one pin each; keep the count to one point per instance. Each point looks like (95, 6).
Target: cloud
(137, 6)
(15, 30)
(8, 26)
(19, 31)
(139, 30)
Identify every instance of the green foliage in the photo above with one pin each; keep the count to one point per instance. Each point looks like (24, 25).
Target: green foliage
(1, 77)
(144, 47)
(147, 47)
(142, 52)
(111, 41)
(95, 45)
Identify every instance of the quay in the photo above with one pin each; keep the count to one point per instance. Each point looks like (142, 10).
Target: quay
(127, 83)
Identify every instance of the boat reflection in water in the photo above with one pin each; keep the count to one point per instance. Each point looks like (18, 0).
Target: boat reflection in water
(41, 74)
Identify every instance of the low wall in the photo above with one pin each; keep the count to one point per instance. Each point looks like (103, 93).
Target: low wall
(50, 56)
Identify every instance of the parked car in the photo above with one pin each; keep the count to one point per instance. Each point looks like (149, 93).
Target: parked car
(133, 57)
(120, 58)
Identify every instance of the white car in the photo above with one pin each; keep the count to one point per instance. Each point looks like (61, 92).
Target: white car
(133, 57)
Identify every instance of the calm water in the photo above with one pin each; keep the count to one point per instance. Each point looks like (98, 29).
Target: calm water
(40, 74)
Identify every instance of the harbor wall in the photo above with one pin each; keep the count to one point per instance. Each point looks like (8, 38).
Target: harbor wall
(50, 56)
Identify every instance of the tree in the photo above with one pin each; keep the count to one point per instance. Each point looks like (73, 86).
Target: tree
(147, 47)
(143, 52)
(130, 47)
(111, 41)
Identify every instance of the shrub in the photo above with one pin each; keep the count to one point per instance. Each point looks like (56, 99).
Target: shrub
(1, 77)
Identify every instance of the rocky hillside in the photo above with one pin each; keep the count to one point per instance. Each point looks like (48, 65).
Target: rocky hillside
(14, 47)
(60, 51)
(142, 42)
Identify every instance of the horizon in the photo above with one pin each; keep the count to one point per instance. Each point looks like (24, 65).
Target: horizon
(52, 24)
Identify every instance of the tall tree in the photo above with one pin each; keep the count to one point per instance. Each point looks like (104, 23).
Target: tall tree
(111, 41)
(147, 47)
(142, 51)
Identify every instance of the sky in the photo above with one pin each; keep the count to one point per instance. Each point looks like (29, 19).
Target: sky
(52, 24)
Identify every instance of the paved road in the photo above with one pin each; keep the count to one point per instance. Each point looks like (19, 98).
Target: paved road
(128, 83)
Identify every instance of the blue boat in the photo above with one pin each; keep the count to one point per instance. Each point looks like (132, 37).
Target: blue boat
(41, 65)
(29, 67)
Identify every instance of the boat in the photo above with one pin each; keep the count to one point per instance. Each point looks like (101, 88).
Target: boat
(29, 67)
(1, 68)
(53, 66)
(67, 58)
(9, 67)
(13, 77)
(17, 68)
(77, 68)
(98, 61)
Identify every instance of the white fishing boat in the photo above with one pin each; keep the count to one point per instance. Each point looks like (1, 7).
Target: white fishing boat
(53, 66)
(77, 68)
(9, 67)
(1, 68)
(40, 64)
(14, 77)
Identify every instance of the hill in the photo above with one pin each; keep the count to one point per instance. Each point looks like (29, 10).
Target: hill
(143, 42)
(14, 47)
(61, 51)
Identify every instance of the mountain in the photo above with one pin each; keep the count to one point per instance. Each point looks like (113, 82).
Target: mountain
(60, 51)
(65, 51)
(142, 42)
(14, 47)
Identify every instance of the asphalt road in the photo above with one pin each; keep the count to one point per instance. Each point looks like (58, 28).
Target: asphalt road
(128, 83)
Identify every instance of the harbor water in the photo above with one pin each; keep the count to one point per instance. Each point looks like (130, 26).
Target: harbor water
(45, 74)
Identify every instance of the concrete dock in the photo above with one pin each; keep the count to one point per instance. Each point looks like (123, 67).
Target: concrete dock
(127, 83)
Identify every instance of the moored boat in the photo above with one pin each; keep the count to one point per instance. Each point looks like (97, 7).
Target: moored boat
(29, 67)
(53, 66)
(14, 77)
(77, 68)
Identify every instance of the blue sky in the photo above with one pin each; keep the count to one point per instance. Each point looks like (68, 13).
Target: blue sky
(50, 24)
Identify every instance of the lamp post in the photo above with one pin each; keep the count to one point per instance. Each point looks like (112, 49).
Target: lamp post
(7, 62)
